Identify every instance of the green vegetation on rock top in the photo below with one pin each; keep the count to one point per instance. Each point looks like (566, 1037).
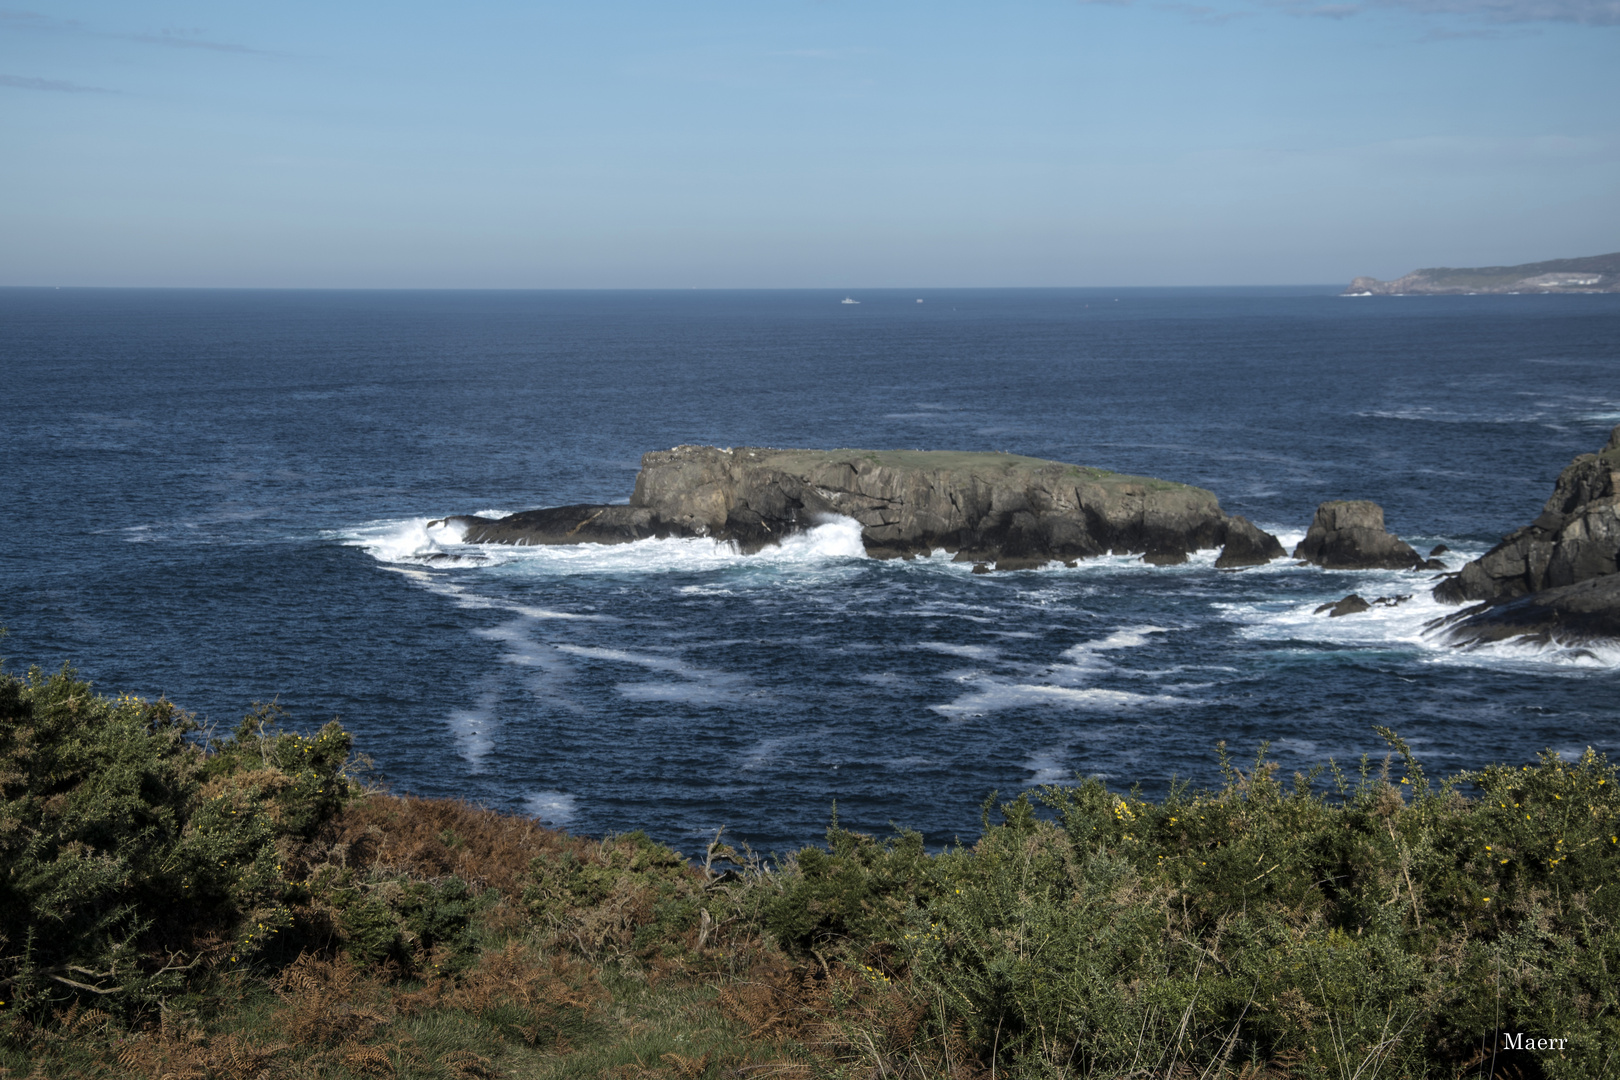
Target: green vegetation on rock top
(1481, 277)
(963, 461)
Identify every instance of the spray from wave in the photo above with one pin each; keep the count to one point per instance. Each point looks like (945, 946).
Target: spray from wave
(436, 543)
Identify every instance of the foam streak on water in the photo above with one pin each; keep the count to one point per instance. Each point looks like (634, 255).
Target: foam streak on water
(236, 497)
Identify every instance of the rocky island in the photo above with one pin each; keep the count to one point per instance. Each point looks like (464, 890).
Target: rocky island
(1592, 274)
(1555, 580)
(994, 509)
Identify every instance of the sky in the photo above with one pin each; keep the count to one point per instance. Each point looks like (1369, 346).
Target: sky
(801, 143)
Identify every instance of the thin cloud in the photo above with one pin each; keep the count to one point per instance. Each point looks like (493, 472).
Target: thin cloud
(1451, 33)
(24, 82)
(168, 37)
(179, 39)
(1583, 12)
(1203, 13)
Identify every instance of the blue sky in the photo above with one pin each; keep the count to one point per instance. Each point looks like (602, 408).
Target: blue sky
(801, 144)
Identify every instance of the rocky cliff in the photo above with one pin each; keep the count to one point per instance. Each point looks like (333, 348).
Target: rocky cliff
(1576, 537)
(1592, 274)
(1004, 509)
(1555, 578)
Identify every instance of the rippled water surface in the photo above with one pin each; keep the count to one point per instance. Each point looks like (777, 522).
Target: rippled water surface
(226, 497)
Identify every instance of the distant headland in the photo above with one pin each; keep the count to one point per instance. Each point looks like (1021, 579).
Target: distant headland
(1592, 274)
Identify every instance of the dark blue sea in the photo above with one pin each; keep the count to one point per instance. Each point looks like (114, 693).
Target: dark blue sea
(224, 497)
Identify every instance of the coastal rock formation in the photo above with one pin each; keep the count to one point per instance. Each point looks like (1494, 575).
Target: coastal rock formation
(1593, 274)
(582, 524)
(1355, 605)
(1575, 538)
(1247, 545)
(1350, 535)
(1350, 605)
(1567, 615)
(985, 507)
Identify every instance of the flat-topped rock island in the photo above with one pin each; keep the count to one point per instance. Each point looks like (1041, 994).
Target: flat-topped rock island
(1004, 510)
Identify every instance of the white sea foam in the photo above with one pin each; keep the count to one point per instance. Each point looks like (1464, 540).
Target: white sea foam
(1062, 685)
(997, 696)
(1406, 626)
(420, 541)
(474, 730)
(555, 808)
(1131, 638)
(884, 678)
(700, 694)
(1046, 766)
(625, 656)
(433, 542)
(972, 652)
(763, 753)
(704, 686)
(1289, 537)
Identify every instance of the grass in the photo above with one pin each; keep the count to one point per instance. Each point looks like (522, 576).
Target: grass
(240, 907)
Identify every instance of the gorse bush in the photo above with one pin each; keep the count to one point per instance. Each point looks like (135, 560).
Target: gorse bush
(1383, 927)
(1372, 925)
(128, 850)
(138, 858)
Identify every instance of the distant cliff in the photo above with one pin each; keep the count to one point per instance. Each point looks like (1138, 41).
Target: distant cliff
(985, 507)
(1593, 274)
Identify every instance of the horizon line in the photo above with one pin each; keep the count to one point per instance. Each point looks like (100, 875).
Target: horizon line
(658, 288)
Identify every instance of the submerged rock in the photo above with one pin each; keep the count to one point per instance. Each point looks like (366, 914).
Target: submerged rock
(1355, 605)
(1350, 605)
(1015, 512)
(1575, 538)
(1350, 535)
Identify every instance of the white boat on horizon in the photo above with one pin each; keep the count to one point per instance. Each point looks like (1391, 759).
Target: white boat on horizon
(848, 300)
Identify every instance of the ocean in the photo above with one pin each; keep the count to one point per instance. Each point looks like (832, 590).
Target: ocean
(226, 497)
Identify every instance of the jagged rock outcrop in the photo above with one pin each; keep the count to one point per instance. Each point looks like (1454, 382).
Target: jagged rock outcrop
(1577, 614)
(1247, 545)
(582, 524)
(1350, 535)
(1013, 511)
(1574, 539)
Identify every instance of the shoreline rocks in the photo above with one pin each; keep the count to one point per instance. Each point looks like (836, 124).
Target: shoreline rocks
(1556, 579)
(1350, 535)
(1247, 545)
(990, 508)
(1576, 537)
(1579, 614)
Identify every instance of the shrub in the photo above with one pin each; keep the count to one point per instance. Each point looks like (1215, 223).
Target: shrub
(132, 855)
(1382, 926)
